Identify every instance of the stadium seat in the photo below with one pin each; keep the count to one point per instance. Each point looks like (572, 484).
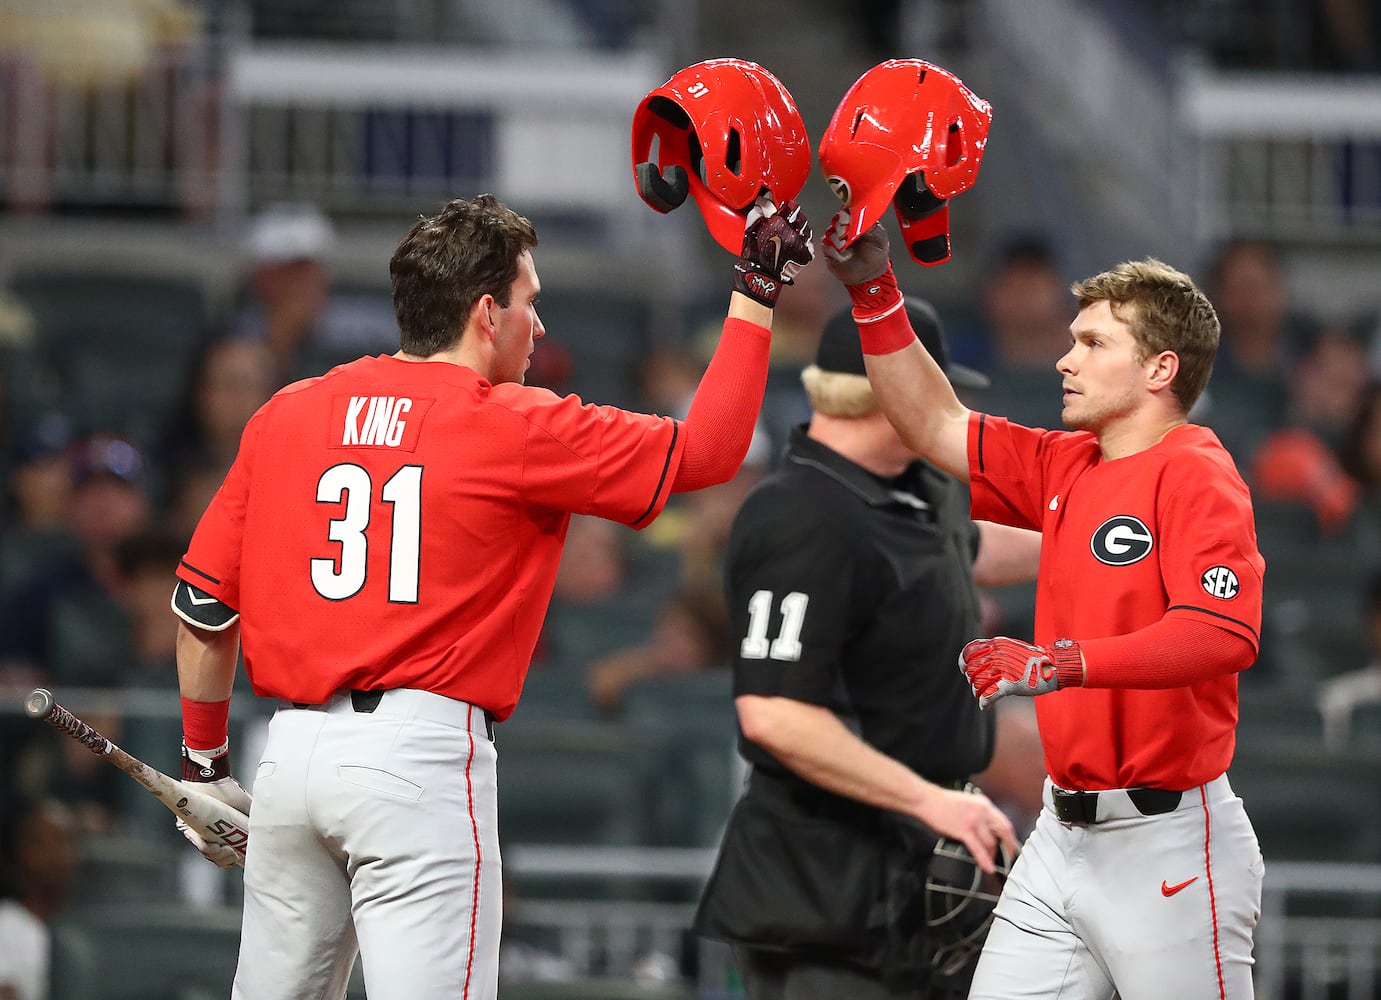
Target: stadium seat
(118, 344)
(143, 952)
(1293, 790)
(1268, 713)
(691, 723)
(150, 951)
(1312, 613)
(571, 782)
(120, 868)
(595, 989)
(556, 691)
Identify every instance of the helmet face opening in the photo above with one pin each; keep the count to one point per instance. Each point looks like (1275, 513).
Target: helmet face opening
(732, 131)
(909, 134)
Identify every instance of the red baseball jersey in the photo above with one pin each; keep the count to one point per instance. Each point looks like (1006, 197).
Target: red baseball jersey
(1168, 531)
(399, 524)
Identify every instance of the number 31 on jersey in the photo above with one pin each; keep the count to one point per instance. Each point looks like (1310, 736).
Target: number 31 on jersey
(787, 644)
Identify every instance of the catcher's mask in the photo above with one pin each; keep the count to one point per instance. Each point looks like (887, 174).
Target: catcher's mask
(911, 134)
(723, 131)
(959, 901)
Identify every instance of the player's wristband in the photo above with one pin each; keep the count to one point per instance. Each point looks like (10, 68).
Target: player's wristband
(205, 723)
(876, 298)
(887, 333)
(206, 765)
(761, 288)
(1069, 662)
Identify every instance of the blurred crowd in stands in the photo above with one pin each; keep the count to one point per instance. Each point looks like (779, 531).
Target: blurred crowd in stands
(122, 398)
(95, 516)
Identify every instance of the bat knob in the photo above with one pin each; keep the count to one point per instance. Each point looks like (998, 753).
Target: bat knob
(39, 703)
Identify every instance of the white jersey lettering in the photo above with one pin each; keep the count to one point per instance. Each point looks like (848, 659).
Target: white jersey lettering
(375, 420)
(396, 424)
(352, 417)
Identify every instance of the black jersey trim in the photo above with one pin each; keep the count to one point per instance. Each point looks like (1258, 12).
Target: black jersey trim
(666, 466)
(982, 423)
(1214, 614)
(192, 569)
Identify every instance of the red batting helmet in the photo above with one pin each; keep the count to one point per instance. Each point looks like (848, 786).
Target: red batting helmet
(912, 134)
(724, 131)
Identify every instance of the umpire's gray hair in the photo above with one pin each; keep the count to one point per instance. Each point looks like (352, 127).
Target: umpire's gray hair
(838, 394)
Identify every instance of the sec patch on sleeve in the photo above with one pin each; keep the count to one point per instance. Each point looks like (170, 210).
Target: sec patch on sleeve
(1220, 582)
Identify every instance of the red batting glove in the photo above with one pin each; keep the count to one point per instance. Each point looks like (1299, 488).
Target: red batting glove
(1001, 666)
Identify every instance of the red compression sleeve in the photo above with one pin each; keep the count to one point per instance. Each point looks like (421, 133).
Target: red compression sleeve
(205, 724)
(1174, 652)
(722, 415)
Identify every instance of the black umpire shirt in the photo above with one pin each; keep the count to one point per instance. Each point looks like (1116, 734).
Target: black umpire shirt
(856, 593)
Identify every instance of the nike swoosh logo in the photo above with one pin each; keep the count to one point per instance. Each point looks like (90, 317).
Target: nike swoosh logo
(1169, 890)
(776, 242)
(1055, 502)
(197, 597)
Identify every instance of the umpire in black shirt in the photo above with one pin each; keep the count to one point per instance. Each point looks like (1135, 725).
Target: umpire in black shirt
(851, 580)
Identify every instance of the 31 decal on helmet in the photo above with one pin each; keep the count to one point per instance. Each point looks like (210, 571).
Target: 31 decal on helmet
(724, 132)
(910, 134)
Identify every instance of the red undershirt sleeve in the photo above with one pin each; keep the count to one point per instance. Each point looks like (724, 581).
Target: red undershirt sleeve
(719, 426)
(1174, 652)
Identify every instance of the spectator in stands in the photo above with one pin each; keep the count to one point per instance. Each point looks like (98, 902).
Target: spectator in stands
(287, 299)
(146, 560)
(1361, 447)
(697, 527)
(38, 858)
(40, 476)
(1262, 337)
(1340, 695)
(38, 500)
(66, 623)
(691, 632)
(1349, 35)
(1025, 315)
(588, 594)
(1299, 462)
(229, 379)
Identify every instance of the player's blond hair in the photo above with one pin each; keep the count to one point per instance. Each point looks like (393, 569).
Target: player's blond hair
(838, 394)
(1165, 311)
(446, 263)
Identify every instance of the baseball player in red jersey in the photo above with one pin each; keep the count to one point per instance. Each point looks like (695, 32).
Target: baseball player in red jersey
(1142, 878)
(385, 546)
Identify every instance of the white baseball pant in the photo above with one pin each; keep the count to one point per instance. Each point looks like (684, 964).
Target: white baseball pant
(1132, 906)
(373, 832)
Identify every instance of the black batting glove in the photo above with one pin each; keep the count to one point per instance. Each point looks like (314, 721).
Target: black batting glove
(776, 245)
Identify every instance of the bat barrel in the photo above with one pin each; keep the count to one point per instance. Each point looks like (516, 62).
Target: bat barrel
(39, 704)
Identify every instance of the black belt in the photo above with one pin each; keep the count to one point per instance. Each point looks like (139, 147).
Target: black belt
(1082, 807)
(366, 702)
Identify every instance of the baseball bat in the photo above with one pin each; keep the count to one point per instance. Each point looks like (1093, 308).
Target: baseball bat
(215, 821)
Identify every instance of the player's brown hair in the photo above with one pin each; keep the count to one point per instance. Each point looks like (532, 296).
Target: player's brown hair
(1165, 311)
(445, 263)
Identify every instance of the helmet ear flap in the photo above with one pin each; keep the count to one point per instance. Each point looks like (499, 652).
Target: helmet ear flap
(662, 190)
(914, 200)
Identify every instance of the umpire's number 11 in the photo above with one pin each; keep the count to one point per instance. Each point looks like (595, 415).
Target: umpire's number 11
(787, 645)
